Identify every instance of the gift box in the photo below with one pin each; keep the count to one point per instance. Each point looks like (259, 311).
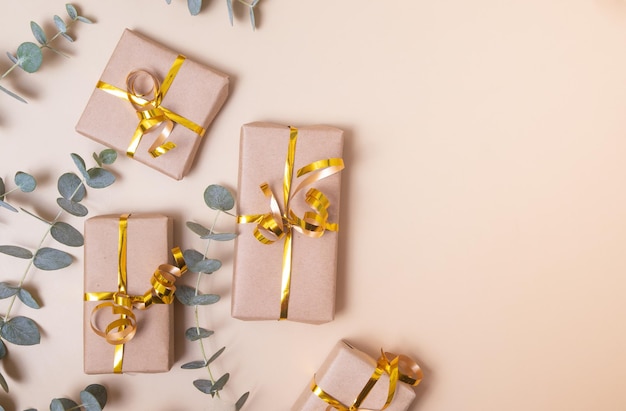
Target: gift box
(288, 212)
(147, 91)
(351, 378)
(128, 293)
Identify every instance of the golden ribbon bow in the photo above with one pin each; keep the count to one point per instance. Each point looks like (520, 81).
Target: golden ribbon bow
(276, 224)
(399, 368)
(150, 112)
(120, 331)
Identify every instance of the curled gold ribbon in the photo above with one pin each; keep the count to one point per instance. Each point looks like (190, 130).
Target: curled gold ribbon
(121, 330)
(279, 224)
(149, 109)
(399, 368)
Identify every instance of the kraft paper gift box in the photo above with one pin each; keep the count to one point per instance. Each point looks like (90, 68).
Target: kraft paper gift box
(196, 94)
(148, 246)
(346, 372)
(261, 270)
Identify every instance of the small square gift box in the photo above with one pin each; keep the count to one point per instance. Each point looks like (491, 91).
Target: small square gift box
(288, 212)
(153, 104)
(129, 288)
(350, 380)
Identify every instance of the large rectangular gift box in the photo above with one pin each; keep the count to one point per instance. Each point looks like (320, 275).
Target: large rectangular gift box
(195, 95)
(344, 375)
(265, 272)
(148, 245)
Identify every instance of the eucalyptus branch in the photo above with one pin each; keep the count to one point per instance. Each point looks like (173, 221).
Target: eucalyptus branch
(196, 5)
(21, 330)
(93, 398)
(217, 198)
(29, 56)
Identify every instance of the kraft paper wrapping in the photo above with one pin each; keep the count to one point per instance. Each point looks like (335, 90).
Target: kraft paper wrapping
(149, 245)
(343, 375)
(257, 267)
(197, 93)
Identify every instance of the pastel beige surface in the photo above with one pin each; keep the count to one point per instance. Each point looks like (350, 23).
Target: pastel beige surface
(483, 210)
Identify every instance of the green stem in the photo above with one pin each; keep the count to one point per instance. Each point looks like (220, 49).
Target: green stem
(8, 192)
(6, 73)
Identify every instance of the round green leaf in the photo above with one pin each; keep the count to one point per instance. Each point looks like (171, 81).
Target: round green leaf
(80, 164)
(99, 178)
(185, 294)
(61, 26)
(20, 331)
(7, 290)
(5, 387)
(2, 188)
(29, 57)
(71, 187)
(16, 251)
(71, 11)
(206, 266)
(198, 228)
(25, 181)
(89, 401)
(218, 198)
(3, 350)
(66, 234)
(38, 32)
(108, 156)
(28, 299)
(62, 404)
(51, 259)
(203, 385)
(219, 236)
(99, 392)
(196, 333)
(191, 257)
(73, 208)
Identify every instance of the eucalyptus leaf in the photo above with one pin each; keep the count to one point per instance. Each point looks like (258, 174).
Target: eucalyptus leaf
(206, 266)
(220, 383)
(252, 18)
(241, 401)
(168, 1)
(71, 187)
(229, 4)
(5, 387)
(7, 290)
(84, 20)
(95, 157)
(107, 156)
(99, 392)
(218, 198)
(12, 94)
(20, 331)
(80, 164)
(67, 37)
(25, 181)
(29, 57)
(62, 404)
(197, 333)
(28, 299)
(184, 294)
(194, 6)
(66, 234)
(205, 299)
(72, 207)
(16, 251)
(193, 365)
(8, 206)
(203, 385)
(71, 11)
(198, 228)
(58, 21)
(192, 257)
(2, 188)
(12, 58)
(217, 354)
(38, 32)
(3, 350)
(219, 236)
(51, 259)
(99, 178)
(89, 402)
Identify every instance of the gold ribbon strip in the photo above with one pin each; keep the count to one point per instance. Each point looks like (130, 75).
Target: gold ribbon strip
(120, 331)
(276, 224)
(399, 368)
(149, 110)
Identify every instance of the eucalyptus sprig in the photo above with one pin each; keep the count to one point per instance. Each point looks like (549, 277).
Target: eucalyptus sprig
(23, 182)
(21, 330)
(93, 398)
(29, 55)
(220, 199)
(196, 5)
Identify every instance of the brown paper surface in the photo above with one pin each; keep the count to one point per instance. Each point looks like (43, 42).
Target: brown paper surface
(343, 375)
(197, 93)
(258, 267)
(149, 245)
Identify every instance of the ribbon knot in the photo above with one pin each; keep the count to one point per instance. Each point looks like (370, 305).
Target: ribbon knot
(122, 329)
(150, 112)
(278, 224)
(398, 368)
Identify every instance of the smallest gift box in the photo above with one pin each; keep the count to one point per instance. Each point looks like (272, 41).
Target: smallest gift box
(350, 379)
(153, 104)
(129, 288)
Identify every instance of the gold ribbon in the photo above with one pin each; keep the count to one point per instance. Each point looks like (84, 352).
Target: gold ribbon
(276, 224)
(149, 109)
(121, 330)
(399, 368)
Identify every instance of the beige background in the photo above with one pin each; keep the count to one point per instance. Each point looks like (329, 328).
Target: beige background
(484, 221)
